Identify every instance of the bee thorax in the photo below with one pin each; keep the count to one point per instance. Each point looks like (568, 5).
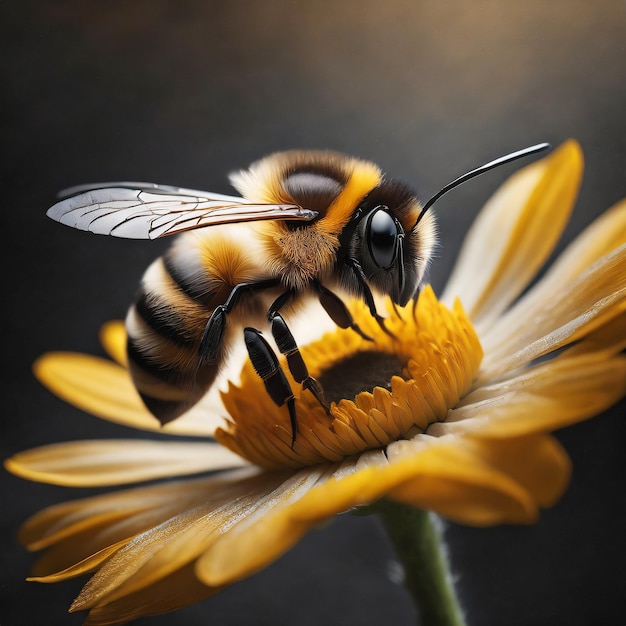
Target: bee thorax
(302, 255)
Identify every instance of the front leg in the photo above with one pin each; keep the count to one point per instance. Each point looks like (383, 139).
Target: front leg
(359, 275)
(338, 311)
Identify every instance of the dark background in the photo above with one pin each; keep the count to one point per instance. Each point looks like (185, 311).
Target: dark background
(184, 92)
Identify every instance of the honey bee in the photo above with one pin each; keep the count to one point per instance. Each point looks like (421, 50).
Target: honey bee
(308, 223)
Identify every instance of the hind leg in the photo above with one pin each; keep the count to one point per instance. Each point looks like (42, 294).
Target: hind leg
(213, 336)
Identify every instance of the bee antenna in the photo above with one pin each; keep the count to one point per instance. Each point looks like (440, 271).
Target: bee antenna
(477, 172)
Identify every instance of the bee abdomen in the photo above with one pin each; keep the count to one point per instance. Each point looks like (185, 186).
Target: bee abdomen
(165, 327)
(164, 321)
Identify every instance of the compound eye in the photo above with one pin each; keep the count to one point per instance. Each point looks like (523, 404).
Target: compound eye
(382, 237)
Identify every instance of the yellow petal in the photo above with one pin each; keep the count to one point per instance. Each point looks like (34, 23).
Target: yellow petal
(113, 339)
(106, 390)
(179, 540)
(514, 234)
(607, 340)
(178, 590)
(95, 385)
(566, 282)
(486, 496)
(49, 569)
(267, 533)
(143, 507)
(537, 462)
(90, 544)
(460, 485)
(602, 236)
(123, 574)
(575, 309)
(549, 396)
(116, 462)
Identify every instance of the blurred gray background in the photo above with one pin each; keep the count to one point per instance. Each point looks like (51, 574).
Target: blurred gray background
(184, 92)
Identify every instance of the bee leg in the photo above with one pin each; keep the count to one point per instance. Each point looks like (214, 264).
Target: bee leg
(287, 346)
(338, 311)
(211, 342)
(416, 296)
(266, 365)
(359, 274)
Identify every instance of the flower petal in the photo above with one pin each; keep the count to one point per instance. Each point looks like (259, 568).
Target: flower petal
(537, 462)
(95, 385)
(116, 462)
(113, 339)
(173, 592)
(546, 397)
(106, 390)
(181, 539)
(462, 486)
(265, 534)
(67, 559)
(514, 234)
(572, 310)
(603, 236)
(446, 476)
(142, 506)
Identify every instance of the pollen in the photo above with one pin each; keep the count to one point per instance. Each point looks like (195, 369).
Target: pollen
(382, 391)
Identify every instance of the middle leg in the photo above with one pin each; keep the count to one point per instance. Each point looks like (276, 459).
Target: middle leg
(287, 345)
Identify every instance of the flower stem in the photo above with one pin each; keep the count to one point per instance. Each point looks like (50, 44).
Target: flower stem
(417, 538)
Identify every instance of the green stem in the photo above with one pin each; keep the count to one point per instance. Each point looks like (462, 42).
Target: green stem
(417, 539)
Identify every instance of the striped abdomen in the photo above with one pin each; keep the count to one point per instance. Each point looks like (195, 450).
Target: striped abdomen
(178, 293)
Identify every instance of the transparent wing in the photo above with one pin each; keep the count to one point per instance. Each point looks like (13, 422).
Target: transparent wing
(149, 211)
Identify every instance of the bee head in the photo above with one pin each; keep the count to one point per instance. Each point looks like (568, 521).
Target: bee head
(392, 236)
(392, 256)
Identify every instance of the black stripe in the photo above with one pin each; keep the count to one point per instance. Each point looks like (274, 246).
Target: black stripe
(194, 291)
(166, 372)
(165, 410)
(162, 319)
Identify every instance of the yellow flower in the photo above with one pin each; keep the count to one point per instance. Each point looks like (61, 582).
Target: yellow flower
(452, 415)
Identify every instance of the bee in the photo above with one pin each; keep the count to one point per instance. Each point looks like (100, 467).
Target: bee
(307, 224)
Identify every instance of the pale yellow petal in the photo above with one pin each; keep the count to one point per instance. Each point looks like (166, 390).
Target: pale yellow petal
(477, 494)
(81, 543)
(549, 396)
(603, 236)
(265, 534)
(177, 590)
(202, 419)
(115, 462)
(47, 569)
(142, 506)
(157, 553)
(573, 309)
(177, 541)
(514, 234)
(606, 341)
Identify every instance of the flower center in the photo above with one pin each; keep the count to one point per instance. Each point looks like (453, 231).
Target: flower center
(359, 372)
(381, 391)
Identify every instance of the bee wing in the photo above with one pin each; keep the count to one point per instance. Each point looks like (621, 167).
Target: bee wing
(149, 211)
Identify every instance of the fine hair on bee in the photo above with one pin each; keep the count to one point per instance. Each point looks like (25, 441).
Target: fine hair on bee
(307, 223)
